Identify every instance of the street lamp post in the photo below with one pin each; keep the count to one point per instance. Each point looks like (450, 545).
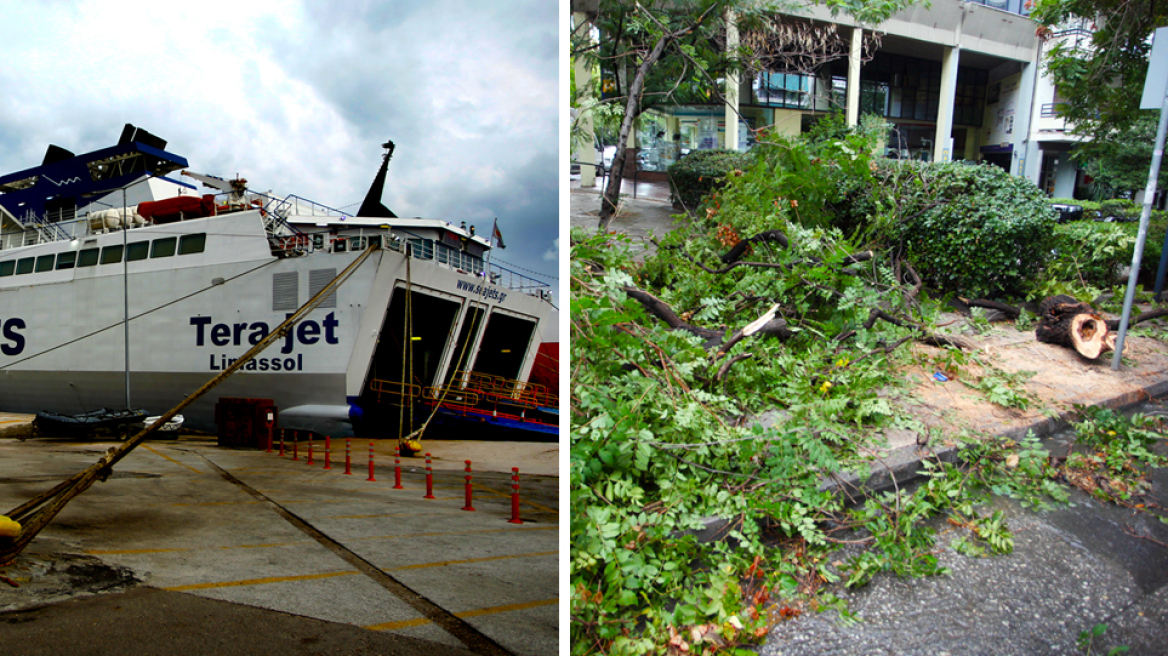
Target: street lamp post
(126, 294)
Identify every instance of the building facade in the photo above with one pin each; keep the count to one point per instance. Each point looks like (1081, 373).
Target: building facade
(956, 81)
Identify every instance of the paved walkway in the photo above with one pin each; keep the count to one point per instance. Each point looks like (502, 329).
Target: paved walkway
(267, 532)
(649, 215)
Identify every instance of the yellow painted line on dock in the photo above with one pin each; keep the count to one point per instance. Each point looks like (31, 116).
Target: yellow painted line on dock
(471, 560)
(406, 624)
(401, 514)
(213, 503)
(507, 608)
(107, 552)
(521, 499)
(163, 455)
(264, 581)
(482, 530)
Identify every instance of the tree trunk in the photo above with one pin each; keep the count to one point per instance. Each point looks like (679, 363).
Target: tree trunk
(1067, 322)
(632, 110)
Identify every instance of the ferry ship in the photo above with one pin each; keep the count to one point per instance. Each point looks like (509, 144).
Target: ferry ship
(122, 284)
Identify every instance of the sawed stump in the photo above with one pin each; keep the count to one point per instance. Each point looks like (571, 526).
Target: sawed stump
(1067, 322)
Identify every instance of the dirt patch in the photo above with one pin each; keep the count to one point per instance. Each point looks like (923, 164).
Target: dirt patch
(1054, 377)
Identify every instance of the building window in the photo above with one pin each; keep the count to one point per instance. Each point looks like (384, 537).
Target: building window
(786, 90)
(45, 263)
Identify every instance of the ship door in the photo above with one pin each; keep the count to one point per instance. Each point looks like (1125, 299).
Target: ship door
(472, 324)
(504, 346)
(427, 335)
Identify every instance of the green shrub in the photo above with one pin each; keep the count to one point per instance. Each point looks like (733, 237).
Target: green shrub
(1150, 260)
(695, 176)
(1087, 205)
(1120, 207)
(1087, 257)
(974, 230)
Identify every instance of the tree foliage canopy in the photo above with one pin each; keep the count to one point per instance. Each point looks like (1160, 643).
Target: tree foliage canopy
(1101, 81)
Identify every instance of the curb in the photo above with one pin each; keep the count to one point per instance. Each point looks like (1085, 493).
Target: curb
(904, 463)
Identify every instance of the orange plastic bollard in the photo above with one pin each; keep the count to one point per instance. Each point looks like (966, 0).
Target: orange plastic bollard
(468, 505)
(429, 480)
(514, 497)
(371, 478)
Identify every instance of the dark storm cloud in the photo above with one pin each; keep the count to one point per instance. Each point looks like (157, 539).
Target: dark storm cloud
(299, 98)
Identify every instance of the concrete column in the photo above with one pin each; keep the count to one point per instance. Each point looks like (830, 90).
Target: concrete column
(854, 56)
(943, 139)
(585, 149)
(732, 91)
(1027, 155)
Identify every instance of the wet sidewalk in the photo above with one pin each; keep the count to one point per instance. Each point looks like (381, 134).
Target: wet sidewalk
(650, 215)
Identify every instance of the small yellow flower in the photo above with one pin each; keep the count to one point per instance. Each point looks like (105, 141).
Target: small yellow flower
(825, 386)
(842, 362)
(1111, 433)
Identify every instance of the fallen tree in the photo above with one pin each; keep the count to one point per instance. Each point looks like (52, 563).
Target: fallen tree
(1067, 322)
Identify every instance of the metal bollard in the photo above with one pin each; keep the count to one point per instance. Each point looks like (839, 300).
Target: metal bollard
(281, 442)
(328, 447)
(295, 445)
(429, 480)
(348, 456)
(468, 505)
(514, 497)
(309, 451)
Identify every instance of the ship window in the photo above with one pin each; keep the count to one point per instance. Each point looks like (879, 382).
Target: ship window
(188, 244)
(87, 257)
(7, 268)
(137, 251)
(45, 263)
(111, 254)
(66, 260)
(24, 266)
(163, 247)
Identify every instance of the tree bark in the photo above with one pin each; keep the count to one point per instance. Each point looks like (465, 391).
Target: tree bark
(632, 110)
(1067, 322)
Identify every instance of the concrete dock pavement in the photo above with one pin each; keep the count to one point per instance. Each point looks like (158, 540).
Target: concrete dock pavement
(272, 535)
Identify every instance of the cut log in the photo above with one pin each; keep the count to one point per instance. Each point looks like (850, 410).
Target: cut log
(1067, 322)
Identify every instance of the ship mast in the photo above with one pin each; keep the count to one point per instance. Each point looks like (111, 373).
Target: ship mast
(373, 205)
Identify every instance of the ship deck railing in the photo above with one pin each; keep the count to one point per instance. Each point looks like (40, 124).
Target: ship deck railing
(507, 390)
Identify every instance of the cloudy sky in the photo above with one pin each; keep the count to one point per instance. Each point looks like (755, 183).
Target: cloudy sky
(298, 97)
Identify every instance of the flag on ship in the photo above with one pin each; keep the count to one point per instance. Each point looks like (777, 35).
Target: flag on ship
(497, 236)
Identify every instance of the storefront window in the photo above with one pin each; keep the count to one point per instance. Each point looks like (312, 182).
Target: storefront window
(658, 148)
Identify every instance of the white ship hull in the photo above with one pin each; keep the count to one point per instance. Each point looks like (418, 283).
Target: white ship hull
(62, 340)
